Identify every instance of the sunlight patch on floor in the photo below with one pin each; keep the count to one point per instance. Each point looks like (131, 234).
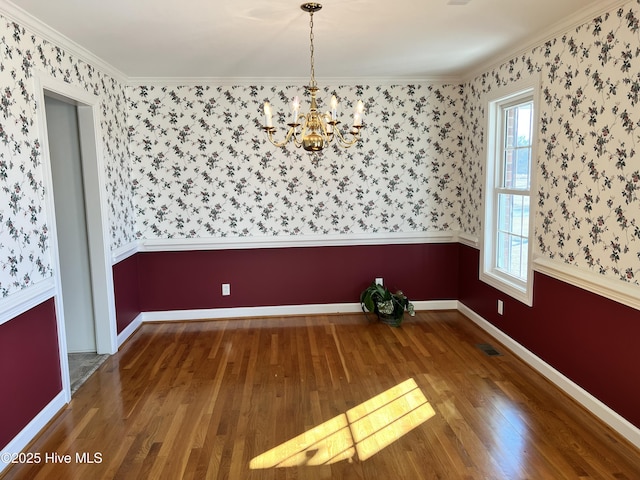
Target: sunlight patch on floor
(363, 431)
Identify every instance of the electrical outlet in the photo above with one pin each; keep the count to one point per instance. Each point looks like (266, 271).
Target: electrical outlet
(379, 281)
(500, 307)
(226, 289)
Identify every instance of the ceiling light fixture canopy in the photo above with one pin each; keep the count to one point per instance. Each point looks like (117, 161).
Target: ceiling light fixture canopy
(314, 131)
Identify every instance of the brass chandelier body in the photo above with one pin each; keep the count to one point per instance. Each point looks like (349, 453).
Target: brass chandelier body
(315, 130)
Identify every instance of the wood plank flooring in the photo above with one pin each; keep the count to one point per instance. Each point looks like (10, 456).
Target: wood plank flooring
(301, 398)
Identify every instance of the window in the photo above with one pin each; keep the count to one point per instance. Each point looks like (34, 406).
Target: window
(506, 250)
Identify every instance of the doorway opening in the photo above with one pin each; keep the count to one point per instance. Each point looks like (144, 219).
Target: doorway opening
(81, 256)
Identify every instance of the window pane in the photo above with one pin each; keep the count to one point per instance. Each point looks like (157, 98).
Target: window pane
(522, 168)
(513, 214)
(511, 255)
(505, 207)
(524, 256)
(517, 133)
(525, 216)
(508, 171)
(510, 132)
(503, 251)
(516, 215)
(523, 121)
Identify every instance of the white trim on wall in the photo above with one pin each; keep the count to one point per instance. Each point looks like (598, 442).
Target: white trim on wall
(469, 240)
(88, 108)
(20, 16)
(334, 240)
(28, 433)
(289, 81)
(25, 300)
(617, 290)
(37, 26)
(245, 243)
(584, 398)
(130, 329)
(125, 251)
(567, 24)
(279, 310)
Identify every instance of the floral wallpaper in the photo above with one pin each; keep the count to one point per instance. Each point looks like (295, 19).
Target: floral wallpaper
(192, 162)
(588, 174)
(25, 257)
(204, 168)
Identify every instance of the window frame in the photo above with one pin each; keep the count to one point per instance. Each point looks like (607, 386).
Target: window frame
(502, 98)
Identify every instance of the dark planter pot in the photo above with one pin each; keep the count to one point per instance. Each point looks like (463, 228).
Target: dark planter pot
(392, 320)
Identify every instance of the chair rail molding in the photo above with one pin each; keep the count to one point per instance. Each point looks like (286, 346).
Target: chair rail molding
(617, 290)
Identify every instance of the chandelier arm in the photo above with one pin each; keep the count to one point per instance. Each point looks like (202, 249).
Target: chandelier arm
(304, 122)
(355, 136)
(290, 133)
(325, 121)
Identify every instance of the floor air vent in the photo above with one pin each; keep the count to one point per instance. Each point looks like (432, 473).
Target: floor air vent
(488, 349)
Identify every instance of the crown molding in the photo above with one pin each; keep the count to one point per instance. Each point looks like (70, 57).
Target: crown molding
(24, 19)
(290, 81)
(17, 14)
(565, 25)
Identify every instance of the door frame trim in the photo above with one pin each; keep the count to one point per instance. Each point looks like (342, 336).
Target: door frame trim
(97, 225)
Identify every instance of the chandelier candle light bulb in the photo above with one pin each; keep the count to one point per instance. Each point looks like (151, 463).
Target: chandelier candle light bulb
(295, 108)
(268, 118)
(314, 130)
(329, 124)
(334, 108)
(357, 114)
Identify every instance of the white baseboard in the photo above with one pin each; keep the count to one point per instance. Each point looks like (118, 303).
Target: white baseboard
(591, 403)
(29, 432)
(245, 312)
(248, 312)
(129, 329)
(436, 305)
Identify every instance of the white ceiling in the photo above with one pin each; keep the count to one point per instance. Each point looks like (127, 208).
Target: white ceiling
(424, 39)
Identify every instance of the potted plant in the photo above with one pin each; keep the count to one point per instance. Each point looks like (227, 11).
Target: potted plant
(389, 307)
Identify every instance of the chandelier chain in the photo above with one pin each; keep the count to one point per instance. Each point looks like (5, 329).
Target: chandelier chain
(313, 71)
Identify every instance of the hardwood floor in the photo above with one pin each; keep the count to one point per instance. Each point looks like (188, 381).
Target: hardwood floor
(320, 398)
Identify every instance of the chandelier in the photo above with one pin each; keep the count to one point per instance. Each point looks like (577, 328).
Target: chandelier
(314, 131)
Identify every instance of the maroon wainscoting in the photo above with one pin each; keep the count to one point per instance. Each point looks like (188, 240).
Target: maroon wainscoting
(293, 276)
(29, 368)
(588, 338)
(126, 291)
